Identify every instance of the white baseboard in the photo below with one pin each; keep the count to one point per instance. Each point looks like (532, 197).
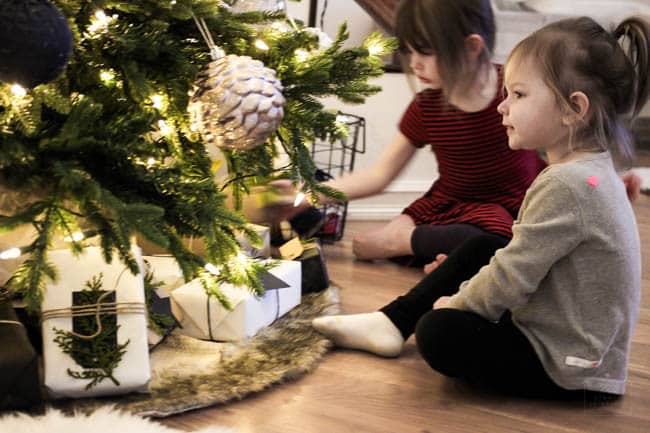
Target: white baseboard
(369, 213)
(388, 204)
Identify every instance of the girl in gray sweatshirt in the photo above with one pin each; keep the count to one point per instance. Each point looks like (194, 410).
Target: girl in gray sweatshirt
(552, 312)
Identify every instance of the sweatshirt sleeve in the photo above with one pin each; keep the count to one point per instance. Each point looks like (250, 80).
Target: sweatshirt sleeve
(549, 228)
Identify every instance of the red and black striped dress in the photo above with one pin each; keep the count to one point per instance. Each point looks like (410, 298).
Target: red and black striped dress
(482, 181)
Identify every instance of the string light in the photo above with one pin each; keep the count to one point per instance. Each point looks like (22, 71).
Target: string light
(375, 49)
(299, 198)
(301, 55)
(157, 101)
(11, 253)
(164, 128)
(261, 45)
(99, 21)
(212, 269)
(18, 90)
(76, 237)
(107, 76)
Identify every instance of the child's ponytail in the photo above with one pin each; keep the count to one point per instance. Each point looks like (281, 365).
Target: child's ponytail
(634, 37)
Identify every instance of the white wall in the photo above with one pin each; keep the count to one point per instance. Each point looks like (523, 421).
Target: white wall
(383, 111)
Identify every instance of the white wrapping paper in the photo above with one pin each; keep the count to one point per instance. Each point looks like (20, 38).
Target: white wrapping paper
(207, 319)
(133, 371)
(260, 251)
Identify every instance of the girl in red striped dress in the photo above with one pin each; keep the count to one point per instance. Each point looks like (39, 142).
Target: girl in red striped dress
(481, 181)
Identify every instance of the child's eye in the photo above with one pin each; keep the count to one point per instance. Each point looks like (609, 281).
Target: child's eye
(515, 94)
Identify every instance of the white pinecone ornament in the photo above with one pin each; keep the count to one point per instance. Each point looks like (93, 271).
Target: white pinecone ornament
(238, 103)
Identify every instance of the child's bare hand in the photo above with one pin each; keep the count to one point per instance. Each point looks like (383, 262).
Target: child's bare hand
(287, 208)
(283, 186)
(442, 302)
(428, 268)
(632, 183)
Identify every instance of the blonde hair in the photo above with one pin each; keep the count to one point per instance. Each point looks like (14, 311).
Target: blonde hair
(610, 67)
(440, 27)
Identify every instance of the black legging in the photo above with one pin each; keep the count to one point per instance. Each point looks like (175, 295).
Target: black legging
(429, 240)
(462, 344)
(463, 263)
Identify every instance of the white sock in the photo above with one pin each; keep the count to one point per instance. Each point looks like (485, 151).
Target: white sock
(372, 332)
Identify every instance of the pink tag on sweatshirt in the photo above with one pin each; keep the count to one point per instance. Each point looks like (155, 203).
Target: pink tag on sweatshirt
(593, 181)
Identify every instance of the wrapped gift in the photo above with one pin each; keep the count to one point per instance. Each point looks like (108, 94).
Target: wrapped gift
(202, 316)
(19, 382)
(259, 251)
(94, 327)
(163, 276)
(314, 270)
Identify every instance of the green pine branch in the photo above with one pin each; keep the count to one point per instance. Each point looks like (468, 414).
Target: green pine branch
(108, 146)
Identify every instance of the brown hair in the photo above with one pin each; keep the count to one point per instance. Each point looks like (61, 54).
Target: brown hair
(439, 27)
(610, 67)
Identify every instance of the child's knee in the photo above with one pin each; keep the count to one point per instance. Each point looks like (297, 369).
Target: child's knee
(437, 342)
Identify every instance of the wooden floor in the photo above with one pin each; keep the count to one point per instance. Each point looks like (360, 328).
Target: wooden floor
(357, 392)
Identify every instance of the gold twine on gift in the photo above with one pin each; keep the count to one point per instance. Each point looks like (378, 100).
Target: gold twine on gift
(12, 322)
(96, 309)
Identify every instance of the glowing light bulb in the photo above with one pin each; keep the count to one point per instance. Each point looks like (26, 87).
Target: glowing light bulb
(107, 77)
(301, 55)
(375, 49)
(76, 237)
(11, 253)
(18, 90)
(212, 269)
(261, 45)
(157, 101)
(299, 198)
(151, 161)
(164, 128)
(99, 21)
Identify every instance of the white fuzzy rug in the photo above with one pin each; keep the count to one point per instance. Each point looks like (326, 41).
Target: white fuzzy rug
(106, 419)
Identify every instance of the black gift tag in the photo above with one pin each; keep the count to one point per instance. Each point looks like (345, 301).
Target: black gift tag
(271, 282)
(84, 350)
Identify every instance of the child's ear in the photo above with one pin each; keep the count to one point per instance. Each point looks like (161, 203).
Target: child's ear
(474, 45)
(579, 108)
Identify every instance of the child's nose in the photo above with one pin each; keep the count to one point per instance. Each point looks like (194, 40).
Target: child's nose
(502, 108)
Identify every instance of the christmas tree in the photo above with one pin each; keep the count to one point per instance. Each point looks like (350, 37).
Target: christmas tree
(108, 149)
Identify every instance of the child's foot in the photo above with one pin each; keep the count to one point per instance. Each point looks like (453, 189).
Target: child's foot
(434, 264)
(372, 332)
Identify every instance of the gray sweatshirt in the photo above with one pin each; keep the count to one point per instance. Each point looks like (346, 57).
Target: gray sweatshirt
(571, 275)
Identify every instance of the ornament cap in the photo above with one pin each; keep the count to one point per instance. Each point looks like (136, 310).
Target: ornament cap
(216, 53)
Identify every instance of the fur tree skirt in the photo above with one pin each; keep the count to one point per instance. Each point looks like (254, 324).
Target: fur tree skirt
(189, 374)
(103, 420)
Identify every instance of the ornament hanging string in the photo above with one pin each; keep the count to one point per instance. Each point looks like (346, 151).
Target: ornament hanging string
(215, 51)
